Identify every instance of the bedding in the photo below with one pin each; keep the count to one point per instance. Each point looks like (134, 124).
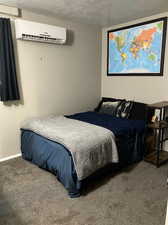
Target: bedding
(107, 100)
(109, 107)
(124, 109)
(53, 157)
(118, 108)
(91, 146)
(139, 110)
(119, 126)
(57, 159)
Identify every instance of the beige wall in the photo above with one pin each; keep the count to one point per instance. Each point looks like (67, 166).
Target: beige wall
(54, 79)
(146, 89)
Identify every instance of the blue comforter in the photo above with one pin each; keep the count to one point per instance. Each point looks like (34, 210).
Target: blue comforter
(118, 126)
(57, 159)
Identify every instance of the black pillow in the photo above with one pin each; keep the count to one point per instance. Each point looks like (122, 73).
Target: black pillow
(140, 112)
(124, 109)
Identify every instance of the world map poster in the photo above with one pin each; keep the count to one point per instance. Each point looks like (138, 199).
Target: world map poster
(137, 49)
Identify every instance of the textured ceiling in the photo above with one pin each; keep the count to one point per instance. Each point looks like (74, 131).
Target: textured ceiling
(98, 12)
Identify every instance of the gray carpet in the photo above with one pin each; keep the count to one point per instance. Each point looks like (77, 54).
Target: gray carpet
(31, 196)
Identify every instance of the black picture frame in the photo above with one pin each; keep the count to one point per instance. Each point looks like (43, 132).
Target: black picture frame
(162, 46)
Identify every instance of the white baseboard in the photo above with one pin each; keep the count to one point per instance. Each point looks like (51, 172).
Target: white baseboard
(10, 157)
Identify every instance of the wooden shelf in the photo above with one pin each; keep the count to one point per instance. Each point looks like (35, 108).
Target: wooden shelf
(159, 105)
(159, 156)
(152, 157)
(158, 124)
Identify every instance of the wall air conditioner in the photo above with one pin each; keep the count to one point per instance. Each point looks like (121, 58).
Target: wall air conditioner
(32, 31)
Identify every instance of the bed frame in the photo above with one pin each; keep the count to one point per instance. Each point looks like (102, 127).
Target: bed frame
(58, 160)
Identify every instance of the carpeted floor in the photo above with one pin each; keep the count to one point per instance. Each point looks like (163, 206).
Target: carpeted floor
(31, 196)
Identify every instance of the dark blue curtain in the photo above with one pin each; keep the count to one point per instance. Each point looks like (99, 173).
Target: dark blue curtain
(8, 80)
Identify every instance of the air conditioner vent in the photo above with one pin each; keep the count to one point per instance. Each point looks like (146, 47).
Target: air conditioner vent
(31, 31)
(41, 39)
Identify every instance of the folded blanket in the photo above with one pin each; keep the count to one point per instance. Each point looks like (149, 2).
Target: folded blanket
(91, 146)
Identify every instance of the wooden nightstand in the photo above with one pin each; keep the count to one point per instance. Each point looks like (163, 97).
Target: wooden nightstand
(159, 155)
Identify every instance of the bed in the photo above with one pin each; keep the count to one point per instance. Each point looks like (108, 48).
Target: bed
(57, 159)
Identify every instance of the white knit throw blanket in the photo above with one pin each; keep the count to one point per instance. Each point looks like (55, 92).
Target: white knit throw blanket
(92, 147)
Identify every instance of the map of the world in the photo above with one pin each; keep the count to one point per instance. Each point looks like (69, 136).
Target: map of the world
(135, 50)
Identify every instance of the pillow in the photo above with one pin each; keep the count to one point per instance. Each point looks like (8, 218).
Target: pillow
(141, 111)
(106, 99)
(124, 109)
(109, 107)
